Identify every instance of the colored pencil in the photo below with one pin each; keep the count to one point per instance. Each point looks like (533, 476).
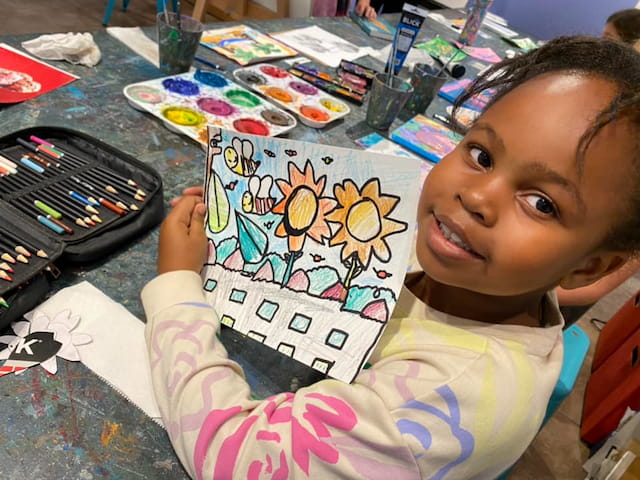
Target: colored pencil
(6, 267)
(16, 248)
(38, 251)
(79, 199)
(116, 176)
(81, 189)
(90, 189)
(116, 179)
(46, 220)
(71, 211)
(60, 150)
(70, 205)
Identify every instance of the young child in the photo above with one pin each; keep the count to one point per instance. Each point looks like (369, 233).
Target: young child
(624, 26)
(461, 378)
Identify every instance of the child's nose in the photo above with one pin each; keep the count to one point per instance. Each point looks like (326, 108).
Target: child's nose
(481, 199)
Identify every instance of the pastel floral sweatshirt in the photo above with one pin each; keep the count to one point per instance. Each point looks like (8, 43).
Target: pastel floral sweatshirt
(445, 397)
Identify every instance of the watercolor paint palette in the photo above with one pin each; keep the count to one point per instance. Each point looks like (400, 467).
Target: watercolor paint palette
(188, 102)
(314, 107)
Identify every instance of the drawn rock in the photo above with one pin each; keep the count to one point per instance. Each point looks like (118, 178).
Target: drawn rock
(336, 292)
(298, 281)
(376, 310)
(234, 261)
(265, 272)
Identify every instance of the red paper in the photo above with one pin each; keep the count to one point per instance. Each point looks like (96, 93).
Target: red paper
(23, 77)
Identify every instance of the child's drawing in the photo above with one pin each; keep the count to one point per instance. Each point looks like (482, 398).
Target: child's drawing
(308, 250)
(244, 44)
(320, 45)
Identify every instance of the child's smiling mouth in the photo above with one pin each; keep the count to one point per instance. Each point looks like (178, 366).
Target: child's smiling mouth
(455, 239)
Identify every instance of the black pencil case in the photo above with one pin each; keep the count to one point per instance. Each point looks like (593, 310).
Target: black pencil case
(131, 205)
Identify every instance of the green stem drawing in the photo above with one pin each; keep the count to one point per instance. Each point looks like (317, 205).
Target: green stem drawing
(355, 268)
(291, 258)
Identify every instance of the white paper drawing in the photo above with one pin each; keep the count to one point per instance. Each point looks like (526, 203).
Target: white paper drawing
(308, 244)
(322, 46)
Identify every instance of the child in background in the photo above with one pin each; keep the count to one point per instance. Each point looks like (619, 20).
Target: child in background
(462, 375)
(370, 8)
(624, 26)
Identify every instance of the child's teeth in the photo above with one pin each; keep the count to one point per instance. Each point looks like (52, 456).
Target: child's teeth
(452, 237)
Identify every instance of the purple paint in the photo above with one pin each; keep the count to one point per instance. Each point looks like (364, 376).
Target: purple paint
(215, 106)
(210, 78)
(181, 86)
(303, 88)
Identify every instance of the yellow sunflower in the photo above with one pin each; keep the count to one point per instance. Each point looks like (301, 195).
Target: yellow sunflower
(364, 221)
(303, 207)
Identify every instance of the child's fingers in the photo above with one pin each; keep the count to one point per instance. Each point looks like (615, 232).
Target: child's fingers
(196, 191)
(196, 227)
(181, 213)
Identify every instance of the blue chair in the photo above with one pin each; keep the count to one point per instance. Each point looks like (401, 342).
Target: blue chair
(576, 346)
(125, 3)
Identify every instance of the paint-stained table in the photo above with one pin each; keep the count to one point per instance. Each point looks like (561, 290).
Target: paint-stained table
(72, 425)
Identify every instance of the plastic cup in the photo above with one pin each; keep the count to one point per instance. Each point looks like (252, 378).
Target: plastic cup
(177, 46)
(386, 101)
(426, 81)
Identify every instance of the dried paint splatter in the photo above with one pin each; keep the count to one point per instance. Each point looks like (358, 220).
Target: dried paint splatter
(109, 430)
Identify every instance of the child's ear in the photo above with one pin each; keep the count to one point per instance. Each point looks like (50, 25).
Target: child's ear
(593, 269)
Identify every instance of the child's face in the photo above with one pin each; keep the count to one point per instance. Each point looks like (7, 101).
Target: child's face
(507, 212)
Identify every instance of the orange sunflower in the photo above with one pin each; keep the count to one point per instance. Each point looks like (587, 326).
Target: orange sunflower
(303, 207)
(364, 222)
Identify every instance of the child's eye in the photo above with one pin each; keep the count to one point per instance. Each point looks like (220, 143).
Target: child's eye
(481, 157)
(541, 204)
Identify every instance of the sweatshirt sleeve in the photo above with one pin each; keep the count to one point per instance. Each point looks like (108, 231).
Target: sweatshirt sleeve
(440, 401)
(328, 430)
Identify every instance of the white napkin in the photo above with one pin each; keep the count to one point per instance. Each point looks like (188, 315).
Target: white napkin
(117, 352)
(72, 47)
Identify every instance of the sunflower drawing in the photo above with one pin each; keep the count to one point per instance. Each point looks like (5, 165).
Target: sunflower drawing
(304, 211)
(364, 221)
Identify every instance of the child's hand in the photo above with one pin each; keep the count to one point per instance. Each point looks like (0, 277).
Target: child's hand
(197, 191)
(364, 9)
(183, 243)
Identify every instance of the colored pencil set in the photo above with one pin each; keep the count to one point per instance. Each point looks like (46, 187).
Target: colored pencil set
(62, 190)
(65, 192)
(17, 255)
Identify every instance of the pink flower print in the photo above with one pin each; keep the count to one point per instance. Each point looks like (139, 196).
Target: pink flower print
(321, 414)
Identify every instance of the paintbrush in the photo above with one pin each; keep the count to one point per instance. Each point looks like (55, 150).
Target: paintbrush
(179, 20)
(164, 10)
(391, 62)
(444, 66)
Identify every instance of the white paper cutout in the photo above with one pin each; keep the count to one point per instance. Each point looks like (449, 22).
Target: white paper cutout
(39, 341)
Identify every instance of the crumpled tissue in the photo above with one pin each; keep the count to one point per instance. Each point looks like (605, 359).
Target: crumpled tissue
(72, 47)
